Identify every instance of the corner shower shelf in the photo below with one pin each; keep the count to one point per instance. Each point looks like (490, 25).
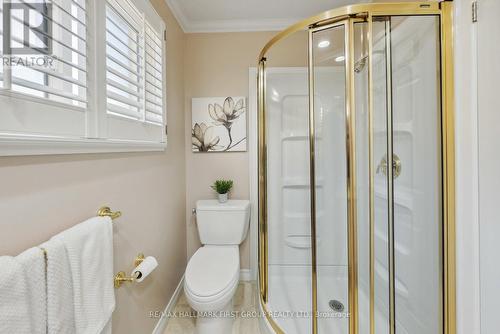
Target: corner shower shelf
(402, 197)
(299, 241)
(297, 137)
(400, 248)
(405, 127)
(291, 182)
(294, 137)
(319, 214)
(382, 272)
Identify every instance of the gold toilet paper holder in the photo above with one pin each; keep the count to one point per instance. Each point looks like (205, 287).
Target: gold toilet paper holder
(121, 277)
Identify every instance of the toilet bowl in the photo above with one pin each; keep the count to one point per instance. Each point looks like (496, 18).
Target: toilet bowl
(212, 273)
(211, 280)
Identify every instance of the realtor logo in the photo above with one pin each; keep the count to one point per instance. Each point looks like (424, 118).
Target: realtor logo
(27, 27)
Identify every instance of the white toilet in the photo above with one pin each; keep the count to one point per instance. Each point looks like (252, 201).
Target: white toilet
(212, 273)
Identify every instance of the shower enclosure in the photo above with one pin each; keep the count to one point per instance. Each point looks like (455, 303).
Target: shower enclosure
(356, 173)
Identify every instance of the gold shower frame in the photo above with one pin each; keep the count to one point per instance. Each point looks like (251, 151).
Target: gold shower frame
(347, 16)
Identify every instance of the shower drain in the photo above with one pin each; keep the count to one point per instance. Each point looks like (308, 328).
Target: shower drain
(336, 305)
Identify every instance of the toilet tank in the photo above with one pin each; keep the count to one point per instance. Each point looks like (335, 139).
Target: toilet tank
(222, 223)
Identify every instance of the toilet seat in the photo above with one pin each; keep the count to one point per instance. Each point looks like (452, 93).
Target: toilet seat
(212, 276)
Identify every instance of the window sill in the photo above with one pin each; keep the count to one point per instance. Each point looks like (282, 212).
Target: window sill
(23, 145)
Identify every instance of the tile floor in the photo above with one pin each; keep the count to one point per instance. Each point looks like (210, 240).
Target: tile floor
(244, 301)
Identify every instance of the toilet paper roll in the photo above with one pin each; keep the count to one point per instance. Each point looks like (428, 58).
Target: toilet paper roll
(144, 269)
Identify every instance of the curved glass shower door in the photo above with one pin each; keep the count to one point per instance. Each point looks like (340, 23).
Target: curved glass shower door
(408, 213)
(356, 173)
(329, 148)
(288, 245)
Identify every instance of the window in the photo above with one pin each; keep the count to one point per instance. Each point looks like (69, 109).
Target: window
(65, 80)
(81, 76)
(124, 61)
(134, 73)
(153, 75)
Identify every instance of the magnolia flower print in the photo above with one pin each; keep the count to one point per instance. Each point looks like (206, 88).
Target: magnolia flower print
(203, 138)
(226, 115)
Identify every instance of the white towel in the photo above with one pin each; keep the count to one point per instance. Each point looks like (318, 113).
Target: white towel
(60, 301)
(107, 329)
(89, 246)
(22, 293)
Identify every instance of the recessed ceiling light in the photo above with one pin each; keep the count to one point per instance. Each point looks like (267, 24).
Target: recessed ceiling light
(340, 59)
(323, 44)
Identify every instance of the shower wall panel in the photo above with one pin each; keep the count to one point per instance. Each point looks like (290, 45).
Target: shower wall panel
(289, 207)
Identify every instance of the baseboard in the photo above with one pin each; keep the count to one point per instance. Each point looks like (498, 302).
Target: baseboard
(161, 325)
(245, 275)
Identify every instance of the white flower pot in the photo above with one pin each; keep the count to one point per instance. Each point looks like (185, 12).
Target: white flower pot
(223, 198)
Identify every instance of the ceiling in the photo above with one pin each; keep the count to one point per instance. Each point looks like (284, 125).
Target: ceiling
(246, 15)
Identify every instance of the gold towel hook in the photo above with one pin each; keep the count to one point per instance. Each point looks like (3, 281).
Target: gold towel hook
(105, 211)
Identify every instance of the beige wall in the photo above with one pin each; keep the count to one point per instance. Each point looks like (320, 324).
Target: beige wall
(41, 196)
(217, 65)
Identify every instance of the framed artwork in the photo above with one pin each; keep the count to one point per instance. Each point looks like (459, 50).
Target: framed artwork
(219, 124)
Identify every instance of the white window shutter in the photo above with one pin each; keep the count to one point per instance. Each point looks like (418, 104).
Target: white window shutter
(154, 75)
(106, 86)
(64, 81)
(135, 93)
(46, 99)
(124, 60)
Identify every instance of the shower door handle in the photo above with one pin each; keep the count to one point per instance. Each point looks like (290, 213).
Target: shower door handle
(396, 166)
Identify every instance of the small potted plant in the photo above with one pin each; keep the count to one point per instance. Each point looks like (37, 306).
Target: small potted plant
(222, 187)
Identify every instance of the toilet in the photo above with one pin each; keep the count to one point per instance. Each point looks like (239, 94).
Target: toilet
(212, 273)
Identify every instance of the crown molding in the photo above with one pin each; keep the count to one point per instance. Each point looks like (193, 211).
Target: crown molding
(239, 25)
(206, 26)
(178, 14)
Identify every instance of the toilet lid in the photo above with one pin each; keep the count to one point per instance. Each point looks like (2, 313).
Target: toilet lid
(212, 269)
